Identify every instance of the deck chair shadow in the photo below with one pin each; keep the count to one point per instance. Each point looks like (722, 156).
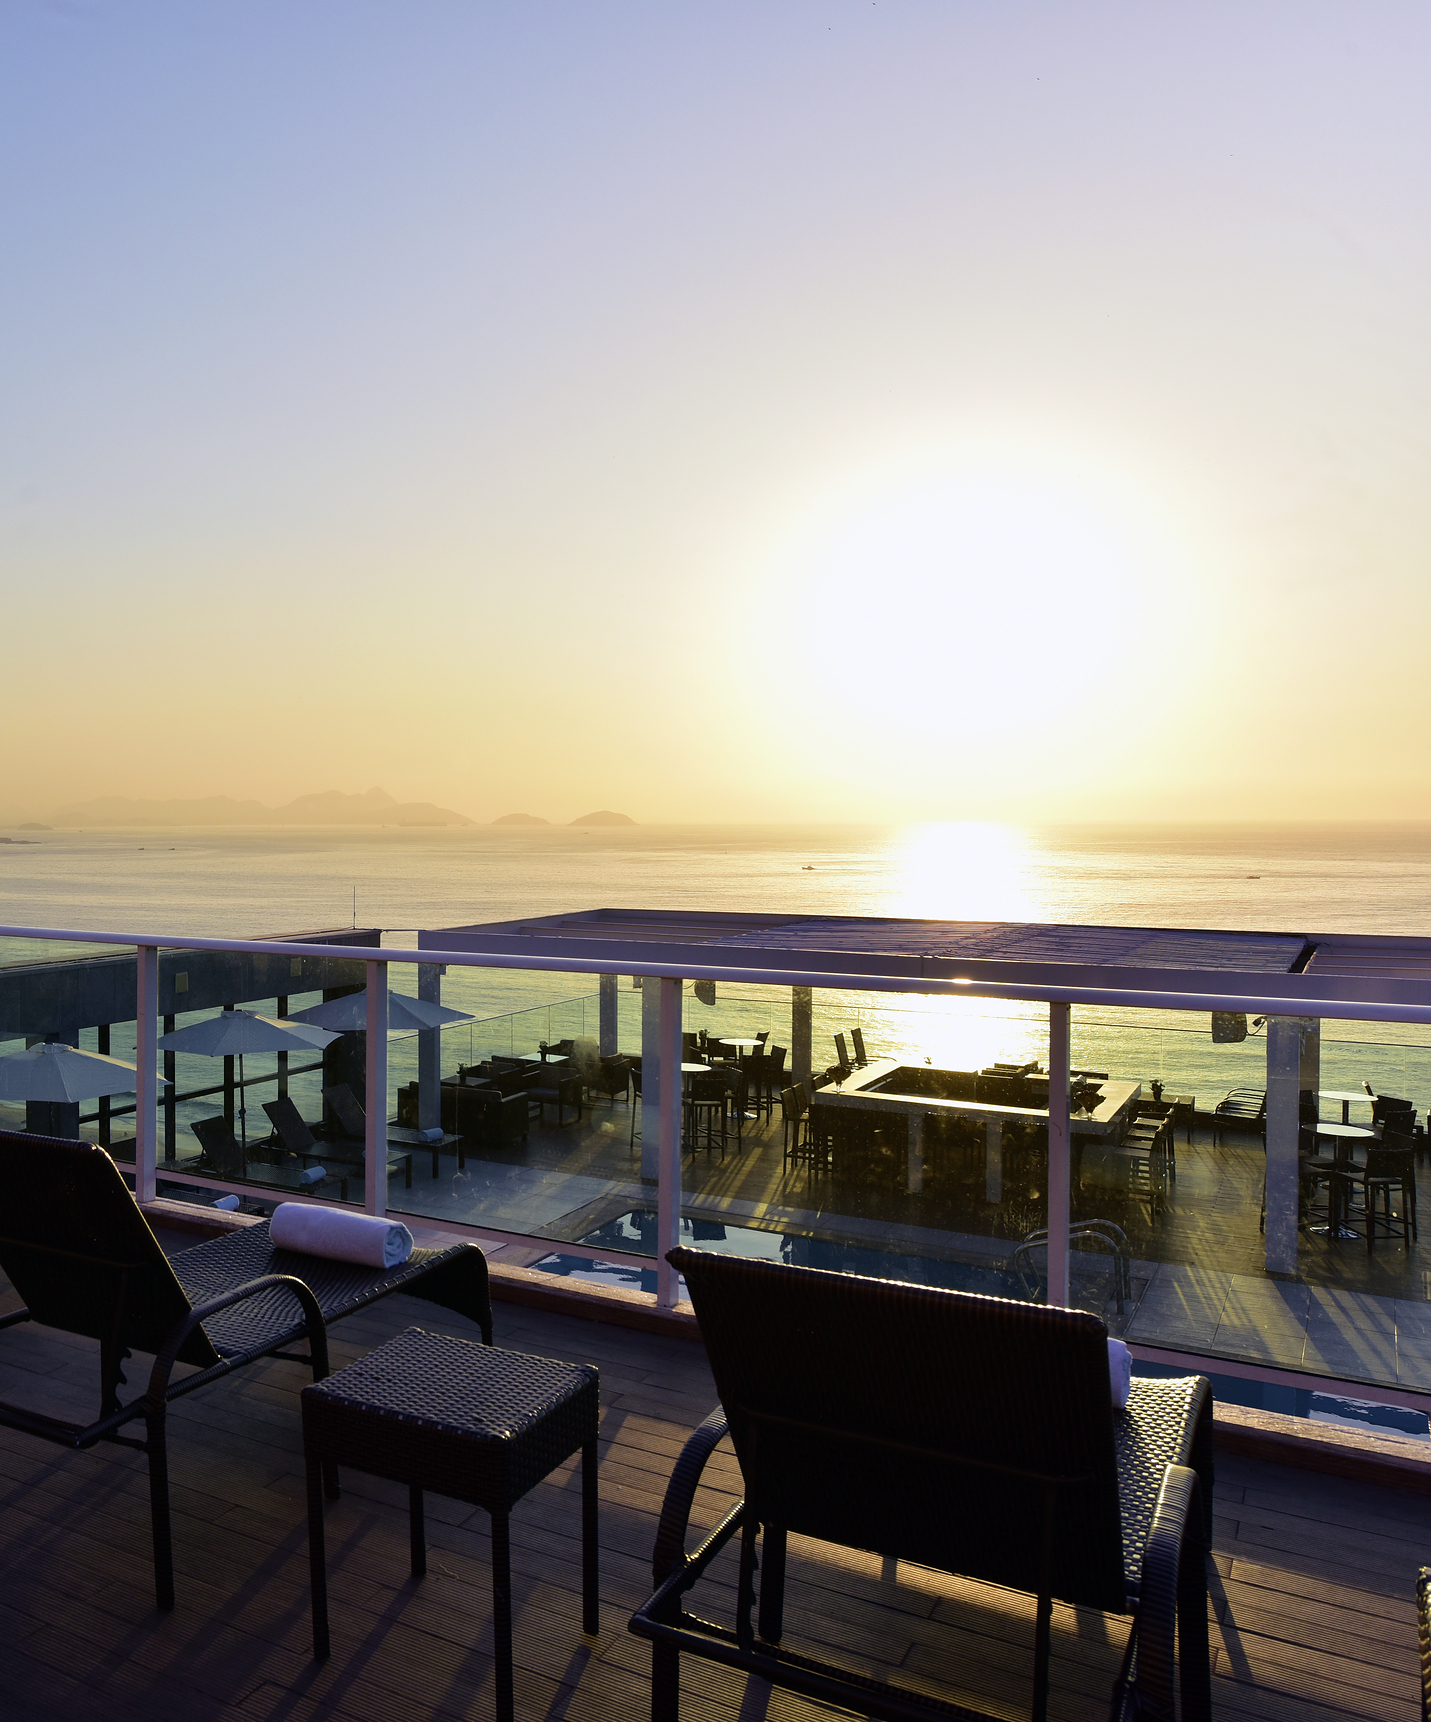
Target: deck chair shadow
(81, 1255)
(973, 1435)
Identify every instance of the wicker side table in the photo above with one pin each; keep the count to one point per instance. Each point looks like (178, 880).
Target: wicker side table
(463, 1420)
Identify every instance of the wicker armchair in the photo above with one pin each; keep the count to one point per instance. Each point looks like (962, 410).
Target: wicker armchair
(973, 1435)
(80, 1253)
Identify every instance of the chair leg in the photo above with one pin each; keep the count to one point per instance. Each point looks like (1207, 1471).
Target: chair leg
(772, 1584)
(502, 1613)
(665, 1683)
(416, 1533)
(590, 1543)
(317, 1559)
(155, 1441)
(1042, 1623)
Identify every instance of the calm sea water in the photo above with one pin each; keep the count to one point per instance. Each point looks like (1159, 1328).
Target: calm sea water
(1304, 879)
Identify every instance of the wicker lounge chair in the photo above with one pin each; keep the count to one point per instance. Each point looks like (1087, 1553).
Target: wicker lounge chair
(973, 1435)
(81, 1255)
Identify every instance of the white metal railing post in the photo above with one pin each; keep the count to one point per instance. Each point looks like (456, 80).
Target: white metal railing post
(375, 1091)
(668, 1190)
(146, 1087)
(1058, 1152)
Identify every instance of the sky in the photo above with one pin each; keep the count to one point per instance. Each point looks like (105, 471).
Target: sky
(842, 411)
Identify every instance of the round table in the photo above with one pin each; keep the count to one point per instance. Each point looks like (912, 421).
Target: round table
(1339, 1134)
(1346, 1099)
(542, 1058)
(741, 1043)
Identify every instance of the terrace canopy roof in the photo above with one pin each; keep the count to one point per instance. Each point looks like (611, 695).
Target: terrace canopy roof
(1305, 972)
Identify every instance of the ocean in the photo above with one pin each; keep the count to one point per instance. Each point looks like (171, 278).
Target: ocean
(1330, 878)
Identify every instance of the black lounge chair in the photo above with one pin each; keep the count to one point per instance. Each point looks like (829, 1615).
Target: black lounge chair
(222, 1154)
(972, 1435)
(81, 1255)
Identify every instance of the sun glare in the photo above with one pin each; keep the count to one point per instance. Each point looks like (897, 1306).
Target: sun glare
(960, 871)
(957, 614)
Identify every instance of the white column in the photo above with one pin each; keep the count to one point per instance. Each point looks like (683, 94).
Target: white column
(650, 1077)
(375, 1091)
(1058, 1155)
(668, 1198)
(1284, 1078)
(429, 1051)
(146, 1032)
(608, 1033)
(801, 1015)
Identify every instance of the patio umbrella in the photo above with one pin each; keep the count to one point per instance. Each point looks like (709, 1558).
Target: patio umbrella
(55, 1072)
(236, 1032)
(406, 1015)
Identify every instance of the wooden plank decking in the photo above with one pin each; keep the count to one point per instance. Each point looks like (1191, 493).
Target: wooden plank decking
(1311, 1591)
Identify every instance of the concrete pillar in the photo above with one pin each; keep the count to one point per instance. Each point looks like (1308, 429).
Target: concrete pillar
(650, 1077)
(1059, 1139)
(1284, 1081)
(375, 1091)
(429, 1052)
(1309, 1074)
(914, 1161)
(101, 1044)
(171, 1065)
(668, 1199)
(802, 1010)
(608, 1032)
(994, 1160)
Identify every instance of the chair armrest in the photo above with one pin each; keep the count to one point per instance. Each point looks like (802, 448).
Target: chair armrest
(317, 1333)
(1167, 1658)
(669, 1553)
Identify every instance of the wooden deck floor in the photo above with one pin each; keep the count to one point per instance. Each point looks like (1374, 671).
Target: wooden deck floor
(1311, 1590)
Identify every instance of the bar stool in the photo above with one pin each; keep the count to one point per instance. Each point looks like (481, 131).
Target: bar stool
(463, 1420)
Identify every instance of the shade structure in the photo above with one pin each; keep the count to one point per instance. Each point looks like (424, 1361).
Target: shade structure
(64, 1074)
(406, 1015)
(236, 1032)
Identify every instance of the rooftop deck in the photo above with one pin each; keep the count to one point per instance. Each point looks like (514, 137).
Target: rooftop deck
(1311, 1592)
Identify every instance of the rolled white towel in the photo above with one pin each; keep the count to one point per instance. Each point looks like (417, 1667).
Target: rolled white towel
(360, 1238)
(1120, 1372)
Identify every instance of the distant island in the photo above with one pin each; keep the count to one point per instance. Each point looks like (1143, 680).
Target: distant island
(604, 818)
(521, 819)
(34, 825)
(331, 807)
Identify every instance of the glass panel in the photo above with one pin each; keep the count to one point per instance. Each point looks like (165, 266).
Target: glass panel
(216, 1123)
(78, 995)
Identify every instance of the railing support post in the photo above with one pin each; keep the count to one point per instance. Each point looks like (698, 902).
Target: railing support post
(1284, 1075)
(1058, 1152)
(146, 1087)
(375, 1091)
(668, 1195)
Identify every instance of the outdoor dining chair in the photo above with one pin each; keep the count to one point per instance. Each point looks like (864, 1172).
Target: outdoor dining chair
(82, 1257)
(972, 1435)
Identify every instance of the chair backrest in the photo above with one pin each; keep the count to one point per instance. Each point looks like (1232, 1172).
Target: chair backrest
(776, 1063)
(790, 1107)
(924, 1424)
(636, 1080)
(289, 1125)
(857, 1040)
(1387, 1106)
(842, 1051)
(352, 1120)
(76, 1248)
(221, 1150)
(1389, 1162)
(709, 1087)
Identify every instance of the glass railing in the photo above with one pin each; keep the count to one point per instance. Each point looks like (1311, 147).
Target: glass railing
(524, 1104)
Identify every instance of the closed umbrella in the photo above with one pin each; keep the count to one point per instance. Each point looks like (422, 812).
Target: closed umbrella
(64, 1074)
(236, 1032)
(406, 1015)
